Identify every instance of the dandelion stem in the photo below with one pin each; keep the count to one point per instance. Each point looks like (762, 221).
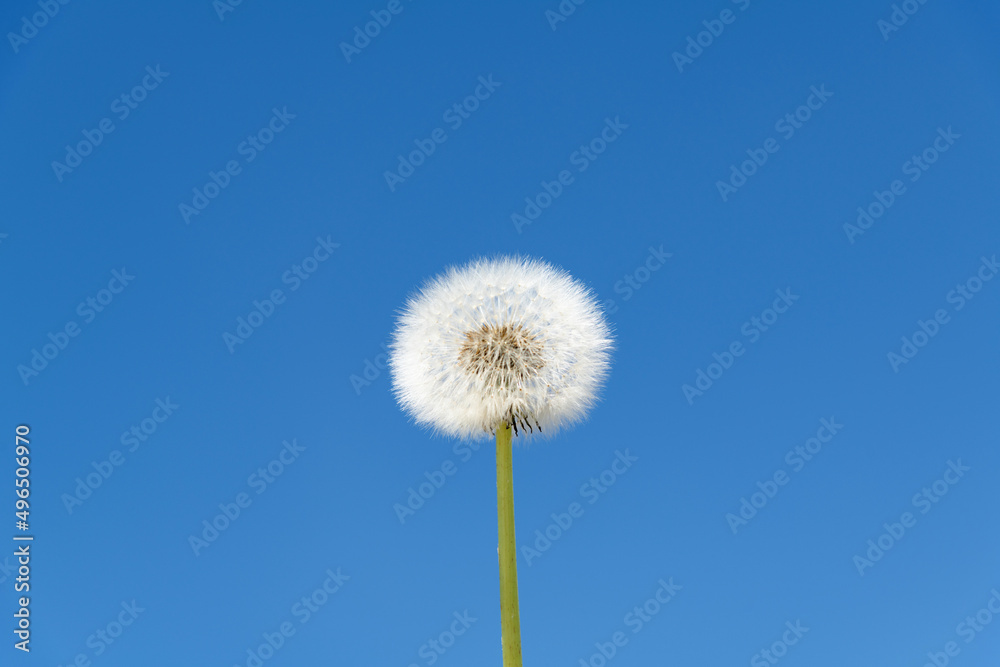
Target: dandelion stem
(510, 621)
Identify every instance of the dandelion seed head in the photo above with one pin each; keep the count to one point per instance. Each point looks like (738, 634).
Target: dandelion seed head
(508, 339)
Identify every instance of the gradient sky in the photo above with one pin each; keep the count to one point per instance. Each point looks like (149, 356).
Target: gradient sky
(245, 170)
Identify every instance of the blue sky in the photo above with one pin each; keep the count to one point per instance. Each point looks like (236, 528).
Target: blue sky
(214, 211)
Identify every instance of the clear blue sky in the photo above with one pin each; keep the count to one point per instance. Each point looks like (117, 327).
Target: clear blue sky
(183, 166)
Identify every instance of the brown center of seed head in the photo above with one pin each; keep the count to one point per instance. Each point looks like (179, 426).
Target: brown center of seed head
(503, 356)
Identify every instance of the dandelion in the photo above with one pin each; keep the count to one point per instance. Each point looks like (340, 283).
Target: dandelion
(505, 346)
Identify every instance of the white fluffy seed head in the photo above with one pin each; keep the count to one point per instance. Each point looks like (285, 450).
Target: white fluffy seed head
(509, 339)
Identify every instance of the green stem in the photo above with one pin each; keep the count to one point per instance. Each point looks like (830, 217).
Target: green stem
(510, 621)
